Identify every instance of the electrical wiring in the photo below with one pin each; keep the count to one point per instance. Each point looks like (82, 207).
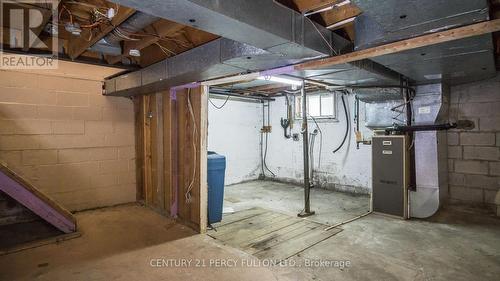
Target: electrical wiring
(98, 18)
(267, 137)
(165, 50)
(118, 32)
(219, 107)
(347, 124)
(188, 195)
(65, 9)
(91, 34)
(178, 42)
(227, 99)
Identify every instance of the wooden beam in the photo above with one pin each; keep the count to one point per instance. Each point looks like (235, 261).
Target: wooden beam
(203, 146)
(413, 43)
(339, 14)
(307, 5)
(78, 45)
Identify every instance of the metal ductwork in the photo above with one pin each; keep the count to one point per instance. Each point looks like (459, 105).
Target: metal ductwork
(260, 23)
(430, 105)
(260, 35)
(212, 60)
(455, 62)
(110, 44)
(394, 20)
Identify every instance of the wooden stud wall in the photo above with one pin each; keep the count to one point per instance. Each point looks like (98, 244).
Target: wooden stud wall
(170, 154)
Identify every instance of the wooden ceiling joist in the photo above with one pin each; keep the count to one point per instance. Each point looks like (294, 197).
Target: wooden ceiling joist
(328, 17)
(160, 28)
(77, 46)
(413, 43)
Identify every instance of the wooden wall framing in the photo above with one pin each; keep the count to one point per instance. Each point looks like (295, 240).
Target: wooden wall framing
(166, 154)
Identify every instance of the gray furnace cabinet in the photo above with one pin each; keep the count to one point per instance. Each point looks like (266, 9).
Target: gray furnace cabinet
(390, 171)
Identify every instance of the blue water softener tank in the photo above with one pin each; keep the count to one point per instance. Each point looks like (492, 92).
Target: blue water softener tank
(216, 172)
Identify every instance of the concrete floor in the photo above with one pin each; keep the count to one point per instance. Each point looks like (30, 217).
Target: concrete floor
(119, 243)
(456, 244)
(330, 207)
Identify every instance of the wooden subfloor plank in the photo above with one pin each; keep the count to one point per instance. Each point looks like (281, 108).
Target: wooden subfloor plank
(250, 233)
(270, 235)
(242, 226)
(237, 216)
(287, 249)
(269, 240)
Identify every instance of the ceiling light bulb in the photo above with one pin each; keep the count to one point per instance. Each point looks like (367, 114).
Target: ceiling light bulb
(281, 80)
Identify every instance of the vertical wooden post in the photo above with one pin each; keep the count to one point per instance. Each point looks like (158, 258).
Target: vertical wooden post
(203, 158)
(159, 145)
(147, 165)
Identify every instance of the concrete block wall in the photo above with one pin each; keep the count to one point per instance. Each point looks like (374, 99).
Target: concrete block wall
(474, 156)
(67, 139)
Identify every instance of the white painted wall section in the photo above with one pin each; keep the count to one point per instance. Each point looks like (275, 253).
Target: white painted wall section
(234, 131)
(347, 170)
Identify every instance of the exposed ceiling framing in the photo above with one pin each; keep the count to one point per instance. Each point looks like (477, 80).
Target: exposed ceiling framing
(328, 13)
(155, 42)
(161, 38)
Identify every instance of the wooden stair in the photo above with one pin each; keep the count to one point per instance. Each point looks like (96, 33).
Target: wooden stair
(32, 198)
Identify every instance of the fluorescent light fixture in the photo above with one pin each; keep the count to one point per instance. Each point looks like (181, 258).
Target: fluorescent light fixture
(281, 80)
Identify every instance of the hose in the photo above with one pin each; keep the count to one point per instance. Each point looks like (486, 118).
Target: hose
(347, 124)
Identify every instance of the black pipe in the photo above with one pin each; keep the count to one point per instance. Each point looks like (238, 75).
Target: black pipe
(420, 128)
(356, 114)
(285, 122)
(347, 124)
(408, 97)
(460, 124)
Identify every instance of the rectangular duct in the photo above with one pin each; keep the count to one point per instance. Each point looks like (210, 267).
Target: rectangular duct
(394, 20)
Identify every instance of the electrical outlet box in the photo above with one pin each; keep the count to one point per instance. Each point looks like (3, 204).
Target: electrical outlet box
(266, 129)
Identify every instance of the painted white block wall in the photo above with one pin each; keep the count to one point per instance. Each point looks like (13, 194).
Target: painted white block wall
(234, 131)
(347, 170)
